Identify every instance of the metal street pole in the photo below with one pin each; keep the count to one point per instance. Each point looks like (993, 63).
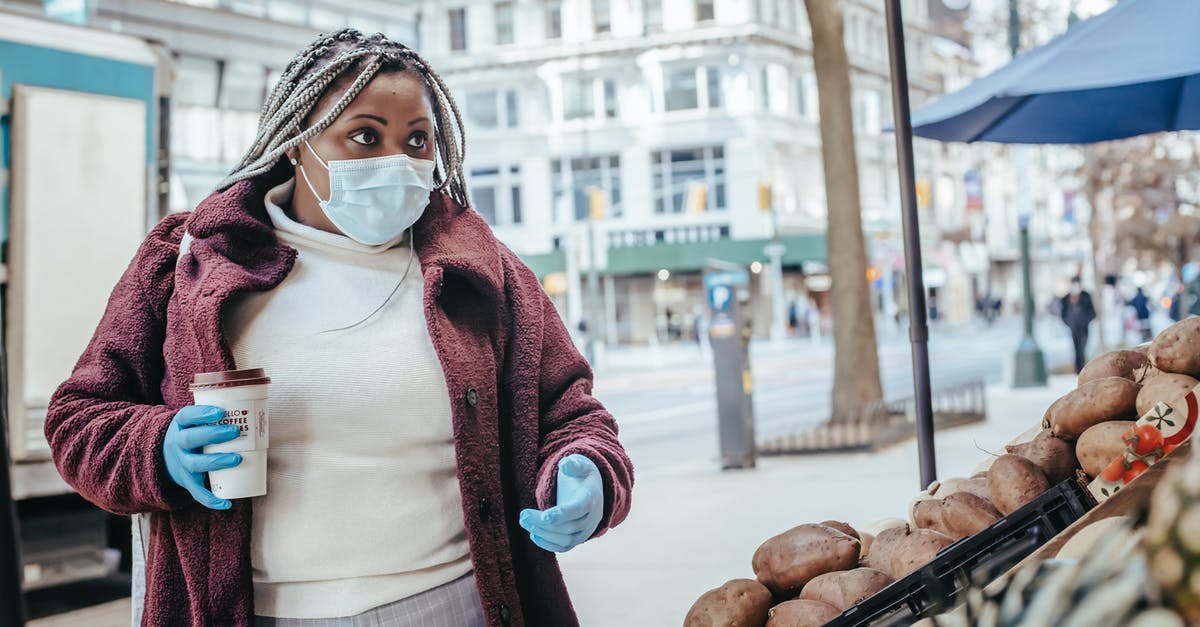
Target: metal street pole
(1029, 365)
(918, 325)
(775, 251)
(593, 309)
(12, 602)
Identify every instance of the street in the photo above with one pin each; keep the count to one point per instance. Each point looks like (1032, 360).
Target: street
(667, 415)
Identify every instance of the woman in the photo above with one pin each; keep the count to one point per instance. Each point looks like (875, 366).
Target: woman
(434, 438)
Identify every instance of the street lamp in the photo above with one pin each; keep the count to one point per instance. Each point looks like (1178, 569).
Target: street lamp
(1029, 367)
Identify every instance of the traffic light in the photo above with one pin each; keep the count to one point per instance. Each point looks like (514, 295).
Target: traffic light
(597, 203)
(765, 199)
(697, 199)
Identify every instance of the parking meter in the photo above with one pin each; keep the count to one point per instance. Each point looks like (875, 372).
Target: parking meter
(729, 334)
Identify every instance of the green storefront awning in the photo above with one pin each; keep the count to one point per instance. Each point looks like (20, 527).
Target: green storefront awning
(688, 257)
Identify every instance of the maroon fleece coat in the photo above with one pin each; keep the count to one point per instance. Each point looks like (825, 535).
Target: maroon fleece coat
(519, 390)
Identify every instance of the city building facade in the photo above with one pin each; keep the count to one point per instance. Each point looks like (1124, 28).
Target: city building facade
(644, 137)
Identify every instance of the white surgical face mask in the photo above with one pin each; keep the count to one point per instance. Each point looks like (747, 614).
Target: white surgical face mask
(373, 201)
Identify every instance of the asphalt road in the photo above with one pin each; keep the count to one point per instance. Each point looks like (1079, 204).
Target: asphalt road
(665, 401)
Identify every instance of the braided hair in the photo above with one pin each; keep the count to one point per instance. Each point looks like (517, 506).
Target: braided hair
(331, 60)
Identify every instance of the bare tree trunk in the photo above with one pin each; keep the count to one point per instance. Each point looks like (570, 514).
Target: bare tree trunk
(856, 362)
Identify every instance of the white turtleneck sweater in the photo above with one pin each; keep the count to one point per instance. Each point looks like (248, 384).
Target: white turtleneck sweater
(363, 506)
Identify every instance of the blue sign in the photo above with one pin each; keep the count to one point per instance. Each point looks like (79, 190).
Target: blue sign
(726, 278)
(720, 298)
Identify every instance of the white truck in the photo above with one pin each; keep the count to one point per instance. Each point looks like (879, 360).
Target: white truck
(81, 183)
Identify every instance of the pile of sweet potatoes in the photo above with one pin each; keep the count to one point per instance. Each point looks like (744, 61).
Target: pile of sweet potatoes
(812, 573)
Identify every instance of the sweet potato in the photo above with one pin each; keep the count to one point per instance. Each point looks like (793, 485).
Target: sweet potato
(1177, 348)
(1163, 387)
(737, 603)
(842, 527)
(1110, 398)
(927, 513)
(789, 560)
(1055, 456)
(1014, 481)
(965, 514)
(916, 550)
(865, 541)
(878, 526)
(1100, 445)
(1130, 365)
(976, 486)
(801, 613)
(957, 515)
(886, 541)
(846, 588)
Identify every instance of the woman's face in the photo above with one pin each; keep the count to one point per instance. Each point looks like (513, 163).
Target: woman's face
(391, 115)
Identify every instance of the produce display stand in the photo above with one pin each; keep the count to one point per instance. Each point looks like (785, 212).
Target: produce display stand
(1130, 501)
(976, 559)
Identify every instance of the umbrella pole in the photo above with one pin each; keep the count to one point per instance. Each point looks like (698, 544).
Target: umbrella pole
(918, 326)
(12, 603)
(12, 600)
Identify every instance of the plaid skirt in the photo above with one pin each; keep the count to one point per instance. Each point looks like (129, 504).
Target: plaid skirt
(455, 604)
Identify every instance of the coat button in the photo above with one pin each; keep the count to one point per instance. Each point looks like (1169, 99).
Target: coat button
(485, 509)
(472, 397)
(505, 615)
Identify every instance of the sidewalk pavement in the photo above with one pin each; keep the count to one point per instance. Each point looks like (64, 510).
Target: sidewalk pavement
(690, 531)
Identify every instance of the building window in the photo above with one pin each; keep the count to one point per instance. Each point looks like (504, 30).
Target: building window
(553, 16)
(585, 98)
(867, 115)
(805, 92)
(705, 10)
(686, 88)
(579, 100)
(286, 11)
(242, 86)
(484, 198)
(575, 178)
(512, 108)
(516, 204)
(325, 19)
(764, 80)
(196, 81)
(679, 89)
(602, 16)
(675, 172)
(458, 29)
(482, 112)
(713, 84)
(488, 109)
(652, 16)
(496, 194)
(504, 23)
(610, 98)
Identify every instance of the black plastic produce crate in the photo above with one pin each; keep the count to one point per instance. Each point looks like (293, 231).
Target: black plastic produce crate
(975, 559)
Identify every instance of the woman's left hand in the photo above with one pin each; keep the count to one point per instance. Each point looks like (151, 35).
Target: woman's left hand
(578, 510)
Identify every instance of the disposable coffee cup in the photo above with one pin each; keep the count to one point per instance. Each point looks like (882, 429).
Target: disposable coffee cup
(243, 396)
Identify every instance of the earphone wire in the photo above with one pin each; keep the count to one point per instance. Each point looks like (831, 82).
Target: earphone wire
(412, 252)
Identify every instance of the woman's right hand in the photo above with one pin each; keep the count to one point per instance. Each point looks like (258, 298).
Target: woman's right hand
(193, 428)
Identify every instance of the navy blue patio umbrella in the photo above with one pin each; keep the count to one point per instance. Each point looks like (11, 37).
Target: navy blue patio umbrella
(1131, 70)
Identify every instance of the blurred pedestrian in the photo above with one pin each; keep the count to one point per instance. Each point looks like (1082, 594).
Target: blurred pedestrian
(1141, 309)
(1078, 311)
(434, 437)
(1175, 311)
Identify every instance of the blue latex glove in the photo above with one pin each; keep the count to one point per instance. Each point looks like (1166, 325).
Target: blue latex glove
(578, 510)
(193, 428)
